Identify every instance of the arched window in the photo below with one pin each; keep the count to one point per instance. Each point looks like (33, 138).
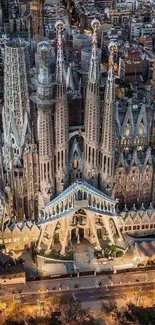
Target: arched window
(58, 159)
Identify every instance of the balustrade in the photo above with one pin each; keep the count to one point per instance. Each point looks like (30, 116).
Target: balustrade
(77, 200)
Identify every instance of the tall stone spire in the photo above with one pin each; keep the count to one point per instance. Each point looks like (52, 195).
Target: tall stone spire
(43, 98)
(60, 56)
(110, 84)
(61, 119)
(92, 113)
(15, 119)
(94, 71)
(16, 98)
(108, 126)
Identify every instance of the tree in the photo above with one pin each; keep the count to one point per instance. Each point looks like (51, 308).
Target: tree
(10, 321)
(143, 315)
(109, 307)
(59, 311)
(72, 313)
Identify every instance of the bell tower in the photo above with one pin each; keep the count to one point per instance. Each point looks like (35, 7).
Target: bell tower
(92, 113)
(108, 126)
(43, 98)
(61, 118)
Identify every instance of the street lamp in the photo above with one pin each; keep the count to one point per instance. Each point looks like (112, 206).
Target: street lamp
(4, 306)
(139, 296)
(39, 307)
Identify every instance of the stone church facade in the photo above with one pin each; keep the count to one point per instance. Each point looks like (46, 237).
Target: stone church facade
(54, 175)
(80, 212)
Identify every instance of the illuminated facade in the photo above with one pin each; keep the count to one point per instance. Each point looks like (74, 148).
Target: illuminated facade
(80, 212)
(112, 149)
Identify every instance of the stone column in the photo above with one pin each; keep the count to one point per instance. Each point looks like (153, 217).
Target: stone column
(107, 226)
(72, 201)
(119, 233)
(78, 236)
(62, 228)
(41, 237)
(64, 242)
(68, 203)
(53, 225)
(94, 230)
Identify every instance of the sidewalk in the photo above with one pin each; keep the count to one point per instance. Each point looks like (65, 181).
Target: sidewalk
(80, 282)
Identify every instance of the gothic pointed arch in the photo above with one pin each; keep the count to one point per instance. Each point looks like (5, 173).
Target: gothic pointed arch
(145, 219)
(153, 218)
(76, 157)
(137, 220)
(142, 124)
(128, 221)
(118, 124)
(128, 124)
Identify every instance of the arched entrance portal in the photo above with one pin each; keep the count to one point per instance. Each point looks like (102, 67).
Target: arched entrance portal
(79, 222)
(73, 234)
(77, 233)
(81, 232)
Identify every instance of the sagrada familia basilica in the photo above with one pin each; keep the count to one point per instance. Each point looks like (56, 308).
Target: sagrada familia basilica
(60, 181)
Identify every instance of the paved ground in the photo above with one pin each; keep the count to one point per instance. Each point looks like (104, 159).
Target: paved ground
(29, 265)
(49, 268)
(85, 261)
(83, 256)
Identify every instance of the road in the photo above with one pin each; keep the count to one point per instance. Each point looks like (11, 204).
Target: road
(79, 282)
(88, 297)
(114, 293)
(86, 294)
(82, 288)
(91, 294)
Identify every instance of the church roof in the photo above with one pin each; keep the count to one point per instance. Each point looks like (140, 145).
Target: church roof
(57, 207)
(77, 186)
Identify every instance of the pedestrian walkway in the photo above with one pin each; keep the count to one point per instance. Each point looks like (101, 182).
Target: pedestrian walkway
(80, 282)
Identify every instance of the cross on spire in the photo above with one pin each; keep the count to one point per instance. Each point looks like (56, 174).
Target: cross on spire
(94, 61)
(110, 84)
(60, 58)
